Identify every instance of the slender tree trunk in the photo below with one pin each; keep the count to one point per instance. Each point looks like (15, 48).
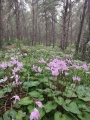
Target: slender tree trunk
(53, 29)
(80, 28)
(33, 23)
(45, 11)
(17, 13)
(89, 19)
(36, 25)
(46, 25)
(0, 24)
(64, 38)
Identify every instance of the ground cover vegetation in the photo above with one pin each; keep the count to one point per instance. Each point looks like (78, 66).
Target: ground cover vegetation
(41, 83)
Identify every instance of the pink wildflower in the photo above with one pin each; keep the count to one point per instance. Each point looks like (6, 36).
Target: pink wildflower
(17, 82)
(55, 72)
(16, 69)
(41, 61)
(77, 66)
(39, 70)
(16, 97)
(39, 104)
(3, 80)
(76, 78)
(35, 68)
(20, 65)
(3, 65)
(35, 114)
(85, 67)
(14, 61)
(57, 65)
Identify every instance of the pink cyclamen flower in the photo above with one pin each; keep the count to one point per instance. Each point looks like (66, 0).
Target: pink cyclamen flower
(17, 82)
(34, 115)
(3, 65)
(16, 97)
(85, 67)
(3, 80)
(39, 70)
(39, 104)
(76, 78)
(34, 68)
(55, 72)
(77, 67)
(41, 61)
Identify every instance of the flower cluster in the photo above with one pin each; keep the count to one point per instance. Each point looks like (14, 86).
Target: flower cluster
(35, 114)
(76, 78)
(15, 66)
(42, 61)
(56, 66)
(37, 69)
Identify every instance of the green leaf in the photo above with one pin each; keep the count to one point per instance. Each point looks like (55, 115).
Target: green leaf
(9, 114)
(42, 113)
(12, 114)
(25, 101)
(17, 105)
(59, 100)
(35, 94)
(66, 117)
(57, 115)
(87, 109)
(49, 106)
(57, 92)
(72, 107)
(67, 101)
(84, 116)
(6, 116)
(30, 108)
(41, 98)
(31, 84)
(70, 94)
(45, 118)
(19, 115)
(84, 98)
(1, 93)
(8, 89)
(1, 118)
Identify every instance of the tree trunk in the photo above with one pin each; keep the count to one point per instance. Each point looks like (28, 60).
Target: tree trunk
(65, 13)
(17, 13)
(0, 24)
(33, 25)
(80, 28)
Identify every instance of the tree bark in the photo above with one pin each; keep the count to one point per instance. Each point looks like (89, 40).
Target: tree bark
(80, 28)
(0, 24)
(17, 13)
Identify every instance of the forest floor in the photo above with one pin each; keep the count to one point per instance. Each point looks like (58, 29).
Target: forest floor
(43, 83)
